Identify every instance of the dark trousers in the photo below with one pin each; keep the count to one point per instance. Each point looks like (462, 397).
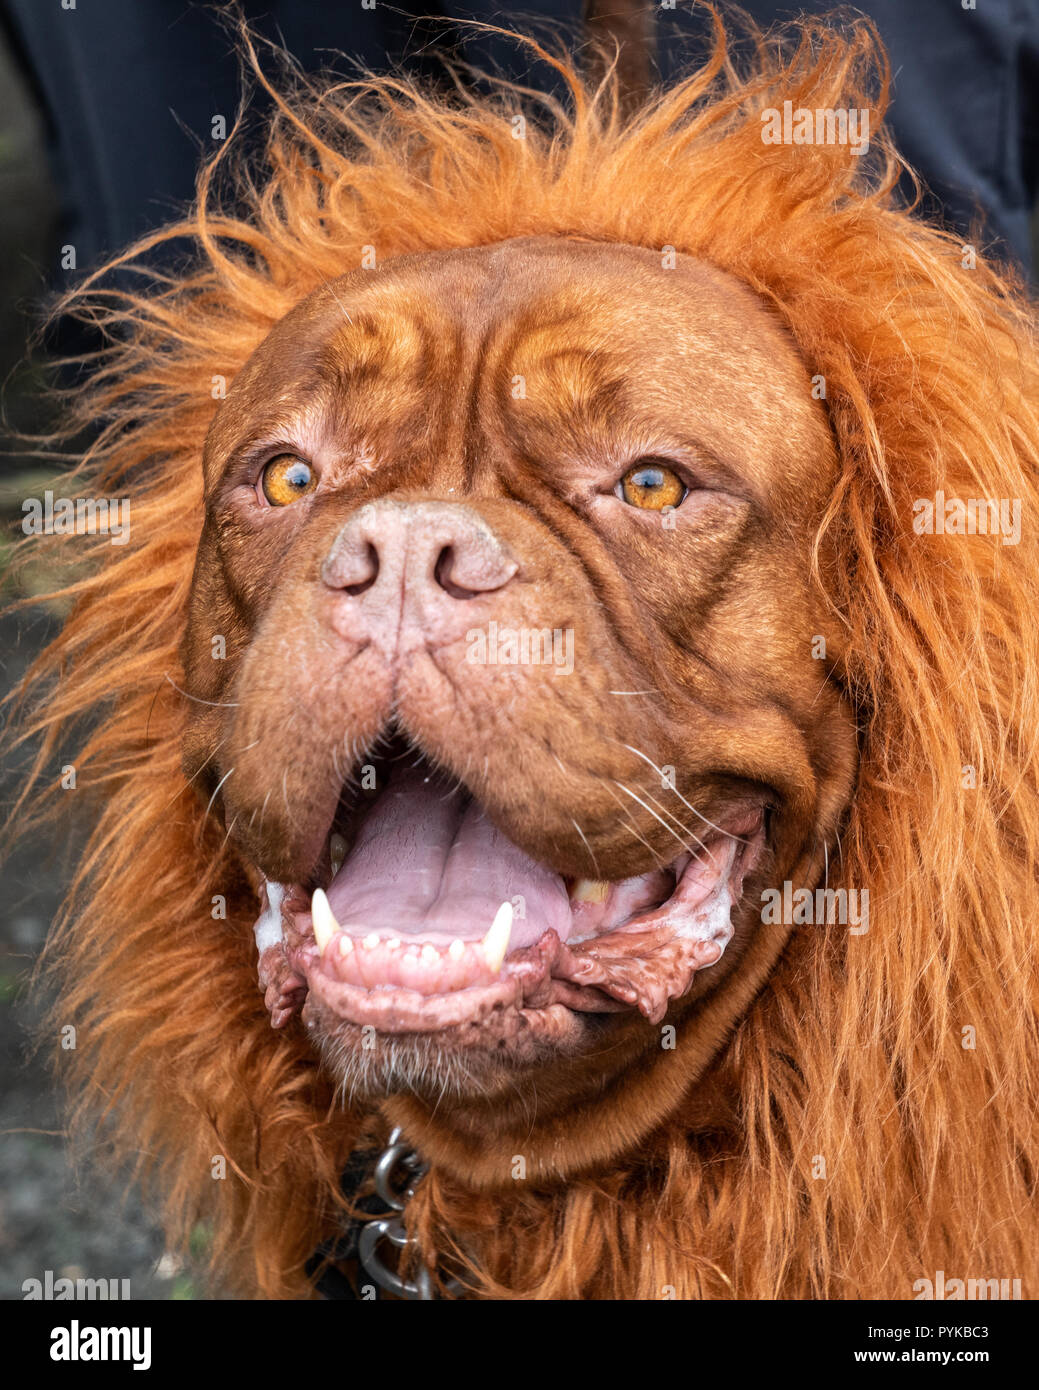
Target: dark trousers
(125, 85)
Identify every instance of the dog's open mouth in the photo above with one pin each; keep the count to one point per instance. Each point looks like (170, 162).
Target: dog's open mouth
(430, 919)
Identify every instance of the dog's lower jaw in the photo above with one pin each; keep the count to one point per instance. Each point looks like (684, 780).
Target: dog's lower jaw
(584, 1112)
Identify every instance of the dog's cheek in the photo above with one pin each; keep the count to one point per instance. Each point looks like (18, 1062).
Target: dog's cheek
(215, 639)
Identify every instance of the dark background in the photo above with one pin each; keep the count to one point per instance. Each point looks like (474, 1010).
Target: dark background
(100, 131)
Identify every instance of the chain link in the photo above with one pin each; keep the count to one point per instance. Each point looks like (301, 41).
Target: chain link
(396, 1159)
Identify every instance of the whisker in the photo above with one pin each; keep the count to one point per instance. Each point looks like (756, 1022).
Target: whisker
(595, 862)
(202, 767)
(672, 816)
(823, 684)
(721, 829)
(215, 704)
(216, 789)
(634, 829)
(328, 286)
(263, 808)
(227, 836)
(654, 815)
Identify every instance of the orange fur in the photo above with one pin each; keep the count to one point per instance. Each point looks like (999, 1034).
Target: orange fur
(853, 1052)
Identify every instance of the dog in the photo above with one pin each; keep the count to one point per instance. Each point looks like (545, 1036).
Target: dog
(532, 659)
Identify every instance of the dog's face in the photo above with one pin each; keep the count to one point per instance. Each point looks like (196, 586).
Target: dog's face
(503, 622)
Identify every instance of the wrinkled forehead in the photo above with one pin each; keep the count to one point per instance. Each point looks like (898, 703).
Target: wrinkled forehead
(566, 326)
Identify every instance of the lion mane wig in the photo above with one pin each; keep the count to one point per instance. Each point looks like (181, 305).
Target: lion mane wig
(884, 1084)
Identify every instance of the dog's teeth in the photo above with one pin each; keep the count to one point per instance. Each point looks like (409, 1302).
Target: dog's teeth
(589, 890)
(345, 945)
(337, 853)
(430, 955)
(325, 924)
(392, 943)
(496, 942)
(371, 940)
(456, 950)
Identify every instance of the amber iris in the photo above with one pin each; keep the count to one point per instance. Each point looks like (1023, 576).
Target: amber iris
(651, 486)
(286, 479)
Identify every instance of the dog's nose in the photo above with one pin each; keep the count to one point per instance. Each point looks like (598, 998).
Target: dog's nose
(406, 569)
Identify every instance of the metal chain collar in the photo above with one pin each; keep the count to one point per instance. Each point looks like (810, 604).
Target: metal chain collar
(396, 1161)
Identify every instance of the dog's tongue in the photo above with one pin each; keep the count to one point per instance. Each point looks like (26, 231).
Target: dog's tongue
(428, 863)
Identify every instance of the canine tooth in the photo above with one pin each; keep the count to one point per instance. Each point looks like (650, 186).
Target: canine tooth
(345, 945)
(430, 955)
(456, 950)
(325, 924)
(371, 940)
(337, 853)
(589, 890)
(392, 943)
(496, 942)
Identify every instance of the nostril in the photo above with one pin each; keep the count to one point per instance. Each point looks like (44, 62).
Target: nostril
(443, 571)
(371, 565)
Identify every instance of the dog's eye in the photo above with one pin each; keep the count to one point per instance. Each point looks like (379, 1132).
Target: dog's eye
(287, 478)
(651, 487)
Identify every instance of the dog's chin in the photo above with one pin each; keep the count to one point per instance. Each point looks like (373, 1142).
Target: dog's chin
(431, 953)
(438, 1065)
